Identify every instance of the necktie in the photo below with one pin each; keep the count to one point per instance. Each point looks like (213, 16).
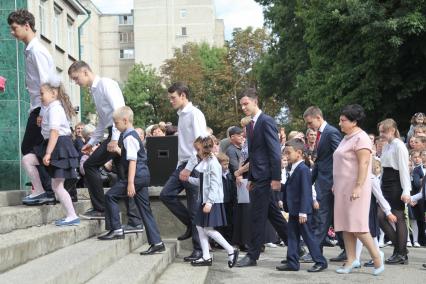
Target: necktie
(251, 128)
(318, 139)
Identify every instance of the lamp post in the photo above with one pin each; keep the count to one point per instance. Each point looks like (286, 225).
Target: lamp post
(248, 70)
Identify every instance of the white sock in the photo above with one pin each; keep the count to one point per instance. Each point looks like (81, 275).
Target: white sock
(415, 229)
(204, 242)
(359, 247)
(64, 197)
(382, 237)
(30, 163)
(215, 235)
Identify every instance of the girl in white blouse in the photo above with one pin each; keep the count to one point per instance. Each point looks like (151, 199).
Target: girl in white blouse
(57, 152)
(396, 187)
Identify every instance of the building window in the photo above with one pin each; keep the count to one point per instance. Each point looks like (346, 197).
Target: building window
(127, 53)
(183, 31)
(57, 24)
(70, 33)
(183, 13)
(42, 16)
(126, 37)
(125, 20)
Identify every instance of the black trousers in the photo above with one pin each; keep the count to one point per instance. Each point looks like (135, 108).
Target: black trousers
(169, 196)
(264, 208)
(295, 230)
(141, 199)
(33, 137)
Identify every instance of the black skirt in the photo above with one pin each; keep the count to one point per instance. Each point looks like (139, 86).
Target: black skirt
(391, 188)
(63, 160)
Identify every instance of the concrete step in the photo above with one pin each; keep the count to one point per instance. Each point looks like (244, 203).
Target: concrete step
(20, 217)
(74, 264)
(12, 197)
(21, 246)
(180, 272)
(134, 268)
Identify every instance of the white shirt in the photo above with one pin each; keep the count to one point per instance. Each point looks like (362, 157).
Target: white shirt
(377, 192)
(256, 117)
(131, 144)
(39, 65)
(395, 155)
(55, 118)
(107, 97)
(191, 125)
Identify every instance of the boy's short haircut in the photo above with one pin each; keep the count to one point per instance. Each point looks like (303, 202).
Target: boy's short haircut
(312, 111)
(123, 112)
(22, 17)
(179, 87)
(77, 66)
(296, 144)
(413, 152)
(422, 139)
(222, 157)
(420, 126)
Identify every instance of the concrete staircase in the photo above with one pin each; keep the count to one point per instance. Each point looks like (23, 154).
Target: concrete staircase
(33, 250)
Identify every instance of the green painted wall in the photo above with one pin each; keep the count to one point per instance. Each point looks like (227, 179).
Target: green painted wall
(14, 103)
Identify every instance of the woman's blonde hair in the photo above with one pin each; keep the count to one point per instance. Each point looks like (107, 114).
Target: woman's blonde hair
(388, 124)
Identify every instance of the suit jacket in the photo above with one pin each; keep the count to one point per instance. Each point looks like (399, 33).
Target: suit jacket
(229, 189)
(264, 150)
(417, 178)
(298, 191)
(322, 173)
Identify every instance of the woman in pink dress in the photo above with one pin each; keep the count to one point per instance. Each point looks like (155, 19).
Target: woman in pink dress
(352, 189)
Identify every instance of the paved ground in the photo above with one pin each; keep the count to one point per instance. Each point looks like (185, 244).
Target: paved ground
(265, 271)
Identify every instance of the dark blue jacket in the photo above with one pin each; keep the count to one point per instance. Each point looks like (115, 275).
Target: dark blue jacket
(322, 173)
(264, 150)
(298, 191)
(417, 178)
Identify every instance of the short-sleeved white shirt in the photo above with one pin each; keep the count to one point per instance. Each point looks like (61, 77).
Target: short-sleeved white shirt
(55, 118)
(132, 146)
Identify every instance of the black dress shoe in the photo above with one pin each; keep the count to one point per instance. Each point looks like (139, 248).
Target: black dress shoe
(154, 249)
(424, 265)
(307, 258)
(234, 258)
(285, 267)
(111, 235)
(340, 258)
(193, 256)
(186, 235)
(317, 268)
(284, 261)
(202, 262)
(369, 263)
(245, 262)
(397, 259)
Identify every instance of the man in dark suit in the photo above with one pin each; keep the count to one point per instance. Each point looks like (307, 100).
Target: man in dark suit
(328, 138)
(299, 201)
(264, 175)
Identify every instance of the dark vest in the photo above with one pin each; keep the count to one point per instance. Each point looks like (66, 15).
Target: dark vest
(142, 170)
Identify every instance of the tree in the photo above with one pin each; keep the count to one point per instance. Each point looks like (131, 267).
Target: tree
(144, 93)
(333, 53)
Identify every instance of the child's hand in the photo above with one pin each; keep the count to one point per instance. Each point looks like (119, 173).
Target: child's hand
(38, 121)
(207, 208)
(46, 159)
(413, 203)
(316, 205)
(391, 218)
(238, 180)
(131, 190)
(302, 220)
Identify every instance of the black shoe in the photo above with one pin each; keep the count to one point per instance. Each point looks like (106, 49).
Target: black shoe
(284, 261)
(154, 249)
(369, 263)
(340, 258)
(234, 258)
(243, 248)
(202, 262)
(193, 256)
(111, 235)
(307, 258)
(397, 259)
(424, 265)
(92, 214)
(317, 268)
(186, 235)
(245, 262)
(128, 229)
(285, 267)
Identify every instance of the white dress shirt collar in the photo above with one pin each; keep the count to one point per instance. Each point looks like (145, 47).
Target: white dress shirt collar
(256, 116)
(31, 43)
(186, 109)
(95, 82)
(323, 125)
(294, 166)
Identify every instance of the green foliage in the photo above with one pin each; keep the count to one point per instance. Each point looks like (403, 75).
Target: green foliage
(87, 105)
(144, 93)
(333, 53)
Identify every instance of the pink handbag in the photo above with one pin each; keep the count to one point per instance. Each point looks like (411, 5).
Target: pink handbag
(2, 84)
